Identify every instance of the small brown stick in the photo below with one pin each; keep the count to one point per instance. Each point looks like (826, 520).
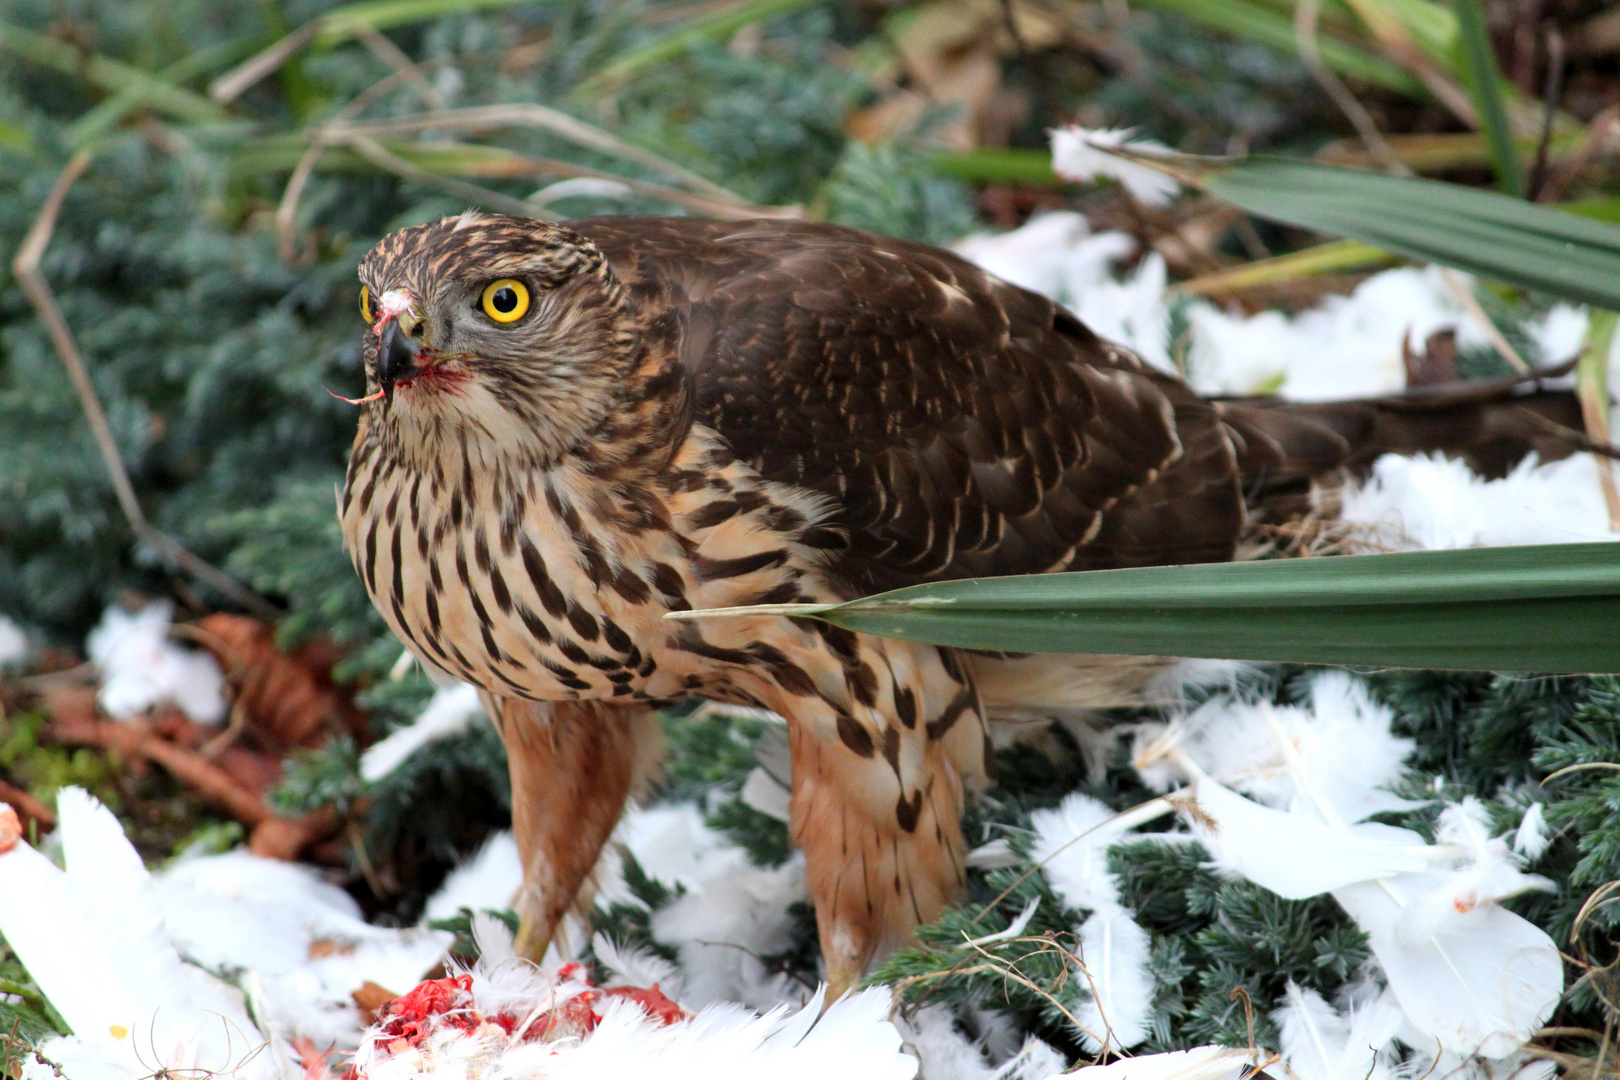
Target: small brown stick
(1306, 15)
(28, 807)
(43, 299)
(1470, 304)
(384, 49)
(1597, 137)
(1551, 92)
(136, 739)
(231, 85)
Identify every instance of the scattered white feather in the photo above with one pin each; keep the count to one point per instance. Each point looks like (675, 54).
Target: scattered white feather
(1319, 1043)
(510, 1020)
(632, 966)
(1114, 949)
(1476, 981)
(945, 1053)
(942, 1050)
(1292, 855)
(487, 881)
(995, 855)
(1199, 1063)
(1481, 869)
(765, 793)
(13, 643)
(1532, 836)
(722, 929)
(450, 711)
(1082, 154)
(1346, 346)
(304, 937)
(1071, 848)
(1434, 502)
(1057, 255)
(141, 667)
(1340, 752)
(92, 937)
(672, 844)
(1014, 928)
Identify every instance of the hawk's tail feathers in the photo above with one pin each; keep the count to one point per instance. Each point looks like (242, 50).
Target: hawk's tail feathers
(1287, 449)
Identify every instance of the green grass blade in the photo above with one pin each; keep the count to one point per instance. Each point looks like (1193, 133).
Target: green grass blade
(995, 165)
(107, 74)
(1335, 256)
(1509, 240)
(342, 23)
(721, 25)
(1253, 22)
(109, 113)
(1485, 83)
(1552, 608)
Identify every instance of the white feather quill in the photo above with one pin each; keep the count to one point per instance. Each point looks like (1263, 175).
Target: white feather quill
(1114, 949)
(1321, 1044)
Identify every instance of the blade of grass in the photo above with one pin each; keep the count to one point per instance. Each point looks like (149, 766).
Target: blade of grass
(1333, 257)
(1485, 83)
(127, 99)
(1501, 238)
(991, 166)
(1592, 389)
(342, 23)
(1509, 240)
(1244, 19)
(107, 74)
(558, 123)
(280, 153)
(715, 27)
(1548, 608)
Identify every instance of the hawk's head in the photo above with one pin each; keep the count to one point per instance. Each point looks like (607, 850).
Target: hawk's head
(491, 330)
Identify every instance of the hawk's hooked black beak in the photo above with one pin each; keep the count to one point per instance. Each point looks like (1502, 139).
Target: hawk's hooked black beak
(396, 359)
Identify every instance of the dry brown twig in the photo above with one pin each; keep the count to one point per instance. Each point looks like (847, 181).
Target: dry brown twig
(40, 295)
(1306, 15)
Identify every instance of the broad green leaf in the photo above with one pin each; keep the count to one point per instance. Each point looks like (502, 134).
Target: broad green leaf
(1246, 19)
(1510, 240)
(1485, 84)
(1552, 608)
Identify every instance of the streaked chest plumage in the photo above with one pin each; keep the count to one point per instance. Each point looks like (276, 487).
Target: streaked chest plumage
(552, 583)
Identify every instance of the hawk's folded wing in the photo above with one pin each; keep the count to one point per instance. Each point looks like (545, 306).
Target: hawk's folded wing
(962, 426)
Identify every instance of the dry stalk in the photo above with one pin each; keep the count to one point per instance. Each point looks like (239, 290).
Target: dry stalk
(43, 299)
(1470, 304)
(1306, 15)
(1599, 136)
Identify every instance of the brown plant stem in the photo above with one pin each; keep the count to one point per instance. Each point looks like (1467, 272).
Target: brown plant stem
(43, 299)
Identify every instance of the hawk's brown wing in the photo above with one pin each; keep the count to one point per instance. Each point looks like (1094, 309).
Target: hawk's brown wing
(963, 426)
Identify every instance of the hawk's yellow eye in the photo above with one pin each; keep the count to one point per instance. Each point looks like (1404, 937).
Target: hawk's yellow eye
(365, 306)
(506, 300)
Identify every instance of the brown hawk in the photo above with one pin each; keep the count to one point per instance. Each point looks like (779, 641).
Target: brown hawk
(580, 429)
